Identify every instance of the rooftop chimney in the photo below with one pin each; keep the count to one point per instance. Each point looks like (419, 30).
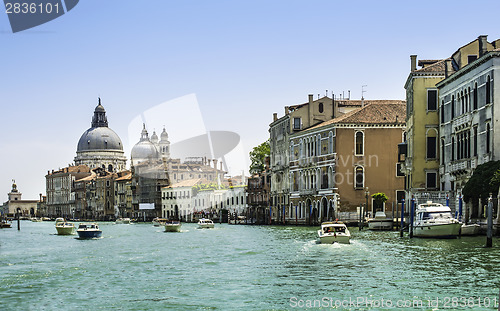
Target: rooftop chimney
(287, 110)
(413, 62)
(483, 45)
(275, 116)
(311, 99)
(447, 68)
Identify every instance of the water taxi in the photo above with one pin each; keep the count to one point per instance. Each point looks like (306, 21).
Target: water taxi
(172, 226)
(380, 222)
(434, 220)
(89, 231)
(332, 232)
(204, 223)
(157, 222)
(64, 228)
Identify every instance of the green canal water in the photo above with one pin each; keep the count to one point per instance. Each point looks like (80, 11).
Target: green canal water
(140, 267)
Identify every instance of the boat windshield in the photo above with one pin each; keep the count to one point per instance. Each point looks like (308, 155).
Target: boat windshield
(334, 229)
(437, 215)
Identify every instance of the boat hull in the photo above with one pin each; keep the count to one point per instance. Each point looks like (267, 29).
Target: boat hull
(205, 226)
(89, 234)
(449, 230)
(375, 224)
(67, 230)
(172, 227)
(330, 238)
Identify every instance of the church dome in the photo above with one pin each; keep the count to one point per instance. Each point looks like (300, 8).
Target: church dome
(154, 138)
(99, 136)
(144, 149)
(164, 135)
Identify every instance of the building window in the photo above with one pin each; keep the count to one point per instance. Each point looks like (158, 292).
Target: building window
(475, 140)
(442, 151)
(359, 177)
(442, 111)
(431, 180)
(474, 98)
(399, 173)
(400, 195)
(453, 148)
(488, 138)
(330, 142)
(320, 107)
(471, 58)
(431, 100)
(296, 123)
(359, 138)
(452, 106)
(431, 143)
(488, 90)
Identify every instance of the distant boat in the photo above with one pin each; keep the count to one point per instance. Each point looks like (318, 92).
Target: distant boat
(5, 224)
(89, 231)
(332, 232)
(172, 226)
(157, 222)
(35, 219)
(122, 221)
(380, 222)
(64, 228)
(205, 223)
(433, 220)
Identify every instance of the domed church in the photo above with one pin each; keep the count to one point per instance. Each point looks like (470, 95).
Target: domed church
(100, 146)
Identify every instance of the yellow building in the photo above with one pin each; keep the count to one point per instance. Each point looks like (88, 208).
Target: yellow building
(421, 163)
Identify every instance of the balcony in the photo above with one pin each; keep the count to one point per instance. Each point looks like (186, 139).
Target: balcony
(462, 121)
(308, 192)
(459, 167)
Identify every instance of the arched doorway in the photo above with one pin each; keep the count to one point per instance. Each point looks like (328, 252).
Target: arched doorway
(331, 211)
(324, 205)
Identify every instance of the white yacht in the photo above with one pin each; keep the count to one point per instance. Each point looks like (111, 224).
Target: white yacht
(380, 222)
(332, 232)
(204, 223)
(434, 220)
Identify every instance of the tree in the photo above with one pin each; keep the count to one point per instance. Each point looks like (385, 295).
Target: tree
(380, 198)
(484, 180)
(258, 156)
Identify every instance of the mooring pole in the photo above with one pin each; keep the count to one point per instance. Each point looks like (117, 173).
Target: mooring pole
(402, 217)
(489, 232)
(412, 211)
(18, 219)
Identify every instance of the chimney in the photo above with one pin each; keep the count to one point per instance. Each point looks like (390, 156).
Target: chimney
(275, 116)
(483, 45)
(215, 163)
(311, 98)
(413, 62)
(447, 68)
(287, 110)
(309, 120)
(208, 162)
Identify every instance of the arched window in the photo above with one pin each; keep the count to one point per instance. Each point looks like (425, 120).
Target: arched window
(330, 142)
(474, 97)
(431, 143)
(442, 151)
(359, 141)
(320, 107)
(453, 148)
(110, 168)
(318, 145)
(359, 177)
(452, 106)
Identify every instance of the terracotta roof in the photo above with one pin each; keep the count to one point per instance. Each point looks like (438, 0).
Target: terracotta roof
(186, 183)
(126, 176)
(388, 113)
(424, 62)
(435, 67)
(359, 102)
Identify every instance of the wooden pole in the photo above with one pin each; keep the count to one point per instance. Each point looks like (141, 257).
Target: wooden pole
(412, 211)
(402, 217)
(489, 232)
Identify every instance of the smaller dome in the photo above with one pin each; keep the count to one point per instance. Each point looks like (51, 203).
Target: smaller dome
(144, 149)
(164, 135)
(154, 138)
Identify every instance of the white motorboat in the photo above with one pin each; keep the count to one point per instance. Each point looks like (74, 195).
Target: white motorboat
(122, 221)
(35, 219)
(334, 232)
(64, 228)
(204, 223)
(172, 226)
(470, 229)
(434, 220)
(380, 222)
(89, 231)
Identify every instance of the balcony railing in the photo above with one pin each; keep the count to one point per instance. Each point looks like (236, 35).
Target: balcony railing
(463, 119)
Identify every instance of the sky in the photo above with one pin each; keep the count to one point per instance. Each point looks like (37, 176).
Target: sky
(239, 61)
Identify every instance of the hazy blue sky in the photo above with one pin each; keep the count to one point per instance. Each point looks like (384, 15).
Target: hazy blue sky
(243, 60)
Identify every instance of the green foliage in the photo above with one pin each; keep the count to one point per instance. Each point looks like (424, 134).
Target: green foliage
(210, 186)
(380, 197)
(485, 180)
(258, 156)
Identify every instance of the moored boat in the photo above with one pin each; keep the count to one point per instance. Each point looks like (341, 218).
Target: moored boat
(122, 221)
(205, 223)
(434, 220)
(470, 229)
(172, 226)
(64, 228)
(89, 231)
(334, 232)
(380, 222)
